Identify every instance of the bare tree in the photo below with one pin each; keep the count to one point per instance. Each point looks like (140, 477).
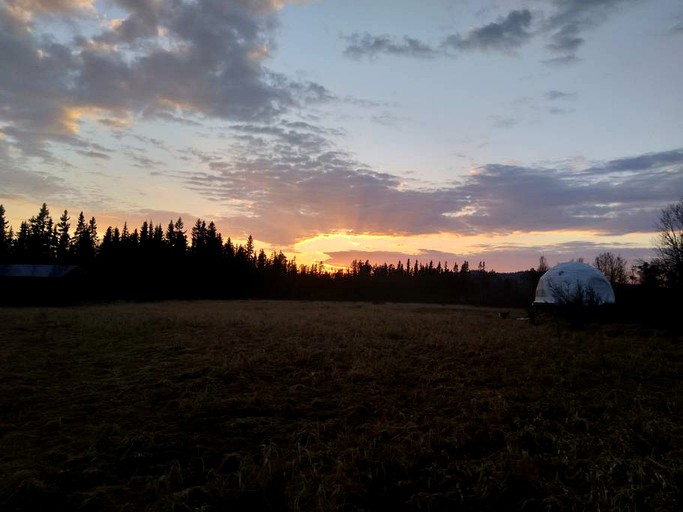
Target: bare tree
(613, 266)
(567, 295)
(542, 265)
(669, 244)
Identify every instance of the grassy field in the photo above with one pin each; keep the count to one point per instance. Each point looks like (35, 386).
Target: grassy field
(334, 406)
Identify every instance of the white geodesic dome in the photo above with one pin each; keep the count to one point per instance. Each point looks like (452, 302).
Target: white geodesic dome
(574, 283)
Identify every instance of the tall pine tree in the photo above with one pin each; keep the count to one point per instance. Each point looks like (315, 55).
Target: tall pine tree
(63, 237)
(41, 240)
(84, 240)
(4, 236)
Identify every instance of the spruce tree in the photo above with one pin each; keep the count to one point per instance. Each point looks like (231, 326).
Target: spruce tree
(21, 250)
(145, 235)
(134, 239)
(92, 229)
(180, 243)
(229, 250)
(4, 236)
(158, 240)
(40, 241)
(107, 245)
(175, 237)
(199, 237)
(251, 255)
(80, 228)
(63, 237)
(214, 242)
(170, 234)
(261, 260)
(83, 241)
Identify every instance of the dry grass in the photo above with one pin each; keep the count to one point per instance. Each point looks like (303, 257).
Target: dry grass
(327, 406)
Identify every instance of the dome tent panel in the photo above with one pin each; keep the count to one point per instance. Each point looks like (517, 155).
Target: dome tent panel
(574, 282)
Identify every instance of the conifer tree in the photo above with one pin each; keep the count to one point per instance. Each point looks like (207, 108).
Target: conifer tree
(84, 239)
(92, 229)
(134, 239)
(145, 236)
(63, 237)
(229, 250)
(41, 241)
(158, 238)
(80, 228)
(125, 241)
(181, 237)
(279, 262)
(176, 238)
(4, 236)
(107, 245)
(214, 242)
(170, 234)
(261, 260)
(21, 244)
(10, 241)
(199, 237)
(251, 256)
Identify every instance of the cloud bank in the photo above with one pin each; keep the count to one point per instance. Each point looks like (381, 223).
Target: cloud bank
(161, 60)
(293, 184)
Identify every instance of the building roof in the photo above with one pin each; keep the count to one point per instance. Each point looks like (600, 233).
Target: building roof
(39, 271)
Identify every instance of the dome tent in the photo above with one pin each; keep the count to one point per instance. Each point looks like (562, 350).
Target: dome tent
(574, 283)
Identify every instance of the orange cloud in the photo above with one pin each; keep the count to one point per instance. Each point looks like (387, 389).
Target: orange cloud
(26, 9)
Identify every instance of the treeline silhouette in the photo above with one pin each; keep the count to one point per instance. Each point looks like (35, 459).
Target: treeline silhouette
(152, 262)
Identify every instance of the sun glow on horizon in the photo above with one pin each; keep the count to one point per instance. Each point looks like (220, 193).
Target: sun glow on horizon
(335, 250)
(454, 246)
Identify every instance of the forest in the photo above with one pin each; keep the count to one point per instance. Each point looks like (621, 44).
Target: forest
(153, 263)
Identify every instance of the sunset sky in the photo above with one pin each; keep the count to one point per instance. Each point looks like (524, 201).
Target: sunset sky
(340, 129)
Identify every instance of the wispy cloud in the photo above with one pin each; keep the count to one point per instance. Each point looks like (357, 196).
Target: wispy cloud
(504, 35)
(94, 154)
(504, 121)
(571, 19)
(555, 95)
(19, 181)
(562, 23)
(367, 45)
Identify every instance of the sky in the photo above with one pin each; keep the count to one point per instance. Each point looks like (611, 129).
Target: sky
(333, 130)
